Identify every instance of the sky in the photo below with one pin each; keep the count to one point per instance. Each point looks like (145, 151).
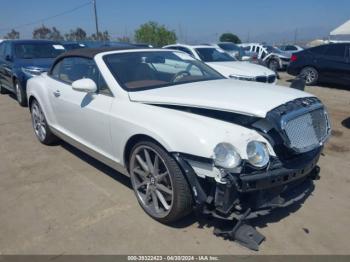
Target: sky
(195, 21)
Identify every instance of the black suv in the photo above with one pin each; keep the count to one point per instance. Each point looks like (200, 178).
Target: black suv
(325, 63)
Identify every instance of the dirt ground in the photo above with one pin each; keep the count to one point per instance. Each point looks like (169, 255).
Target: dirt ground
(57, 200)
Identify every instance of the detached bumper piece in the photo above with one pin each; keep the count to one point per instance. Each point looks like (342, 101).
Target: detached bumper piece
(242, 233)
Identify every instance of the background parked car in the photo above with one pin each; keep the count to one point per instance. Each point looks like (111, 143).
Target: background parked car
(270, 56)
(233, 50)
(227, 65)
(328, 63)
(290, 49)
(22, 59)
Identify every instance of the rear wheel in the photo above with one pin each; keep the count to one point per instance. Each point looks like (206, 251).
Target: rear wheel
(273, 65)
(310, 75)
(20, 94)
(158, 182)
(41, 128)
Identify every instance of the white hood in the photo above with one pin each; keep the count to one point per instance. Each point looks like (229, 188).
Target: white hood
(239, 68)
(244, 97)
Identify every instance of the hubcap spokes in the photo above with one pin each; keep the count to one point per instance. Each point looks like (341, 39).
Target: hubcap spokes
(152, 181)
(39, 122)
(309, 76)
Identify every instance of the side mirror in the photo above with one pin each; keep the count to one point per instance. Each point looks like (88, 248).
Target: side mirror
(84, 85)
(8, 58)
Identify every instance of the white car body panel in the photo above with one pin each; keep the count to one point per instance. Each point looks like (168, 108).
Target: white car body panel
(240, 68)
(226, 95)
(235, 68)
(102, 125)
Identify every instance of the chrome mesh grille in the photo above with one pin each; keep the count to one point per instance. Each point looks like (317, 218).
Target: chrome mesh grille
(307, 131)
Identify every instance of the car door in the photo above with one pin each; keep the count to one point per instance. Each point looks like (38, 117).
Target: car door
(347, 65)
(81, 116)
(6, 65)
(334, 63)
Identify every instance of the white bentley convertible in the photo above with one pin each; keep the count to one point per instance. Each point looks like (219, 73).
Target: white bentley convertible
(186, 136)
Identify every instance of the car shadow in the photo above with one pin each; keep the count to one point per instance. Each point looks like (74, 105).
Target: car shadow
(195, 217)
(120, 178)
(346, 123)
(327, 85)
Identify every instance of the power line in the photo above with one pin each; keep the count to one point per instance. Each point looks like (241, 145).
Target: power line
(47, 18)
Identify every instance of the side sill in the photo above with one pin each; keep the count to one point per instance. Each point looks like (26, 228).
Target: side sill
(107, 161)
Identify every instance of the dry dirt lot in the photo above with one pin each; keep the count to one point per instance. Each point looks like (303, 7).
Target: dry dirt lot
(56, 200)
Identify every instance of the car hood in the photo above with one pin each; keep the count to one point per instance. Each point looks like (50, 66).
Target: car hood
(42, 63)
(240, 68)
(243, 97)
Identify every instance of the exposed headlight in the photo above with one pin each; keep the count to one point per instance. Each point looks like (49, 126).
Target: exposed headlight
(226, 156)
(243, 78)
(33, 71)
(258, 155)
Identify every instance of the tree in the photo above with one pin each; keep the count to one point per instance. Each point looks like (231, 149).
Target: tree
(76, 35)
(13, 34)
(42, 32)
(229, 37)
(104, 36)
(154, 34)
(56, 35)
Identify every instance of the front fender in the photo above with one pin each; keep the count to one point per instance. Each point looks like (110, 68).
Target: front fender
(177, 131)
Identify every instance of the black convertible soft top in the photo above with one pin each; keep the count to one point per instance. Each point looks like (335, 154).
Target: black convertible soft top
(90, 52)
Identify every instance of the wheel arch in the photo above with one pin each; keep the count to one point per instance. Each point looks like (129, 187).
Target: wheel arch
(132, 141)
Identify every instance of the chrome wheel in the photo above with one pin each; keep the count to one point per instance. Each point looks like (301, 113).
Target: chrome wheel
(18, 93)
(39, 123)
(152, 182)
(310, 75)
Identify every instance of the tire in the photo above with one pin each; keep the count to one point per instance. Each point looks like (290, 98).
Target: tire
(41, 128)
(20, 94)
(273, 64)
(162, 192)
(310, 75)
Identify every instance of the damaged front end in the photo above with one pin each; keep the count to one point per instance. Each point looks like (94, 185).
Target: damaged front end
(246, 195)
(296, 131)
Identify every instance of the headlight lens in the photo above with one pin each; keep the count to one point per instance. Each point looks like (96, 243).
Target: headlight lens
(243, 78)
(258, 155)
(33, 71)
(226, 156)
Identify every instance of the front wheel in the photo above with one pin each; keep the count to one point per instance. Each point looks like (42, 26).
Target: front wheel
(158, 182)
(20, 94)
(41, 128)
(310, 75)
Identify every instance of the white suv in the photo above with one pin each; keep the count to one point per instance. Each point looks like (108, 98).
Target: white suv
(227, 65)
(274, 58)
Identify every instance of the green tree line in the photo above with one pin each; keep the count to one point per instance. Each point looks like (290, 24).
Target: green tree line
(149, 33)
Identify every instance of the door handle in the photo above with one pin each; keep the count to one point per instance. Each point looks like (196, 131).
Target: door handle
(57, 93)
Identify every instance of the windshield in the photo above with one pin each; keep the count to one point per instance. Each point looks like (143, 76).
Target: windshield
(213, 55)
(229, 47)
(147, 70)
(38, 50)
(272, 49)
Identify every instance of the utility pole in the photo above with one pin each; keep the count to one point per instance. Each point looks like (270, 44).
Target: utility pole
(96, 20)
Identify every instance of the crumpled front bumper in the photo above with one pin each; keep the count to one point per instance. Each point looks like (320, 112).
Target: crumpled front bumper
(281, 185)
